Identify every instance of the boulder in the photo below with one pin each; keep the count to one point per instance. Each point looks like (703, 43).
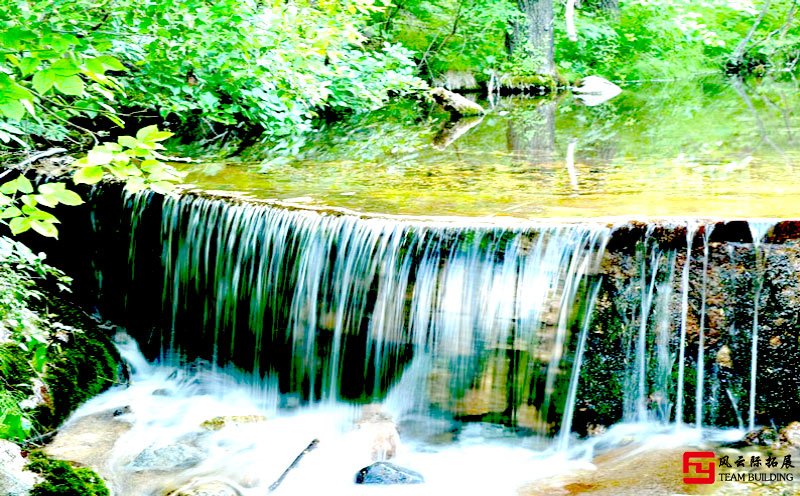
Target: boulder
(173, 457)
(14, 479)
(789, 436)
(387, 473)
(218, 423)
(594, 90)
(765, 436)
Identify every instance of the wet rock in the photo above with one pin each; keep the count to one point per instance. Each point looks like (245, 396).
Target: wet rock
(379, 432)
(162, 392)
(88, 440)
(789, 436)
(765, 436)
(174, 457)
(206, 488)
(121, 411)
(14, 480)
(218, 423)
(429, 430)
(387, 473)
(594, 90)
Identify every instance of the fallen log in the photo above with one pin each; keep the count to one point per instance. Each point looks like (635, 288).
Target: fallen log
(456, 104)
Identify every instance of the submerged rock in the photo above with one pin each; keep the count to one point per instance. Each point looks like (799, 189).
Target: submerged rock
(14, 479)
(177, 456)
(387, 473)
(218, 423)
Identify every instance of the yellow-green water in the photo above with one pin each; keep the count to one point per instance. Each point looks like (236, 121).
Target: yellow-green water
(700, 148)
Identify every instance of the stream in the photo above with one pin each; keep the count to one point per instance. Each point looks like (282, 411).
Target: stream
(560, 300)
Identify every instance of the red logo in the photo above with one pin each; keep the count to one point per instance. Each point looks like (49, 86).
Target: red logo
(703, 467)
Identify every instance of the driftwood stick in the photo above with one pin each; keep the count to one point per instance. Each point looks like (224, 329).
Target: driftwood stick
(313, 444)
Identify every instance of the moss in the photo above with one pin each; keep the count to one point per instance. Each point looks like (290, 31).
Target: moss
(535, 84)
(218, 423)
(63, 479)
(16, 372)
(84, 367)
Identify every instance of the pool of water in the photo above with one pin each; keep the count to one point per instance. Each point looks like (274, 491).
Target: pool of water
(702, 148)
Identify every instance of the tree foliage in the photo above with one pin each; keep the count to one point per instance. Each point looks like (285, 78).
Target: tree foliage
(273, 66)
(669, 39)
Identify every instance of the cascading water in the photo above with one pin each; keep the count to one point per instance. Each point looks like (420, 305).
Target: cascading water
(328, 289)
(757, 230)
(554, 331)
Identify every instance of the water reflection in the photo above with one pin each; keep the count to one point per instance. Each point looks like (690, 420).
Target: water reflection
(710, 148)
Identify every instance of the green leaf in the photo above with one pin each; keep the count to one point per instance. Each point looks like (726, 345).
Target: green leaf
(45, 228)
(64, 68)
(12, 109)
(19, 225)
(47, 200)
(51, 188)
(128, 141)
(88, 175)
(19, 185)
(10, 212)
(99, 156)
(28, 66)
(72, 85)
(144, 133)
(39, 358)
(24, 185)
(43, 81)
(41, 215)
(13, 428)
(151, 134)
(9, 187)
(110, 63)
(68, 197)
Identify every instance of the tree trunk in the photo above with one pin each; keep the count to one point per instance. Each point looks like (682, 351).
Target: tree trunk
(532, 134)
(611, 6)
(536, 37)
(737, 57)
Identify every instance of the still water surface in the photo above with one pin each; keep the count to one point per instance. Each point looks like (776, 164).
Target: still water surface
(702, 148)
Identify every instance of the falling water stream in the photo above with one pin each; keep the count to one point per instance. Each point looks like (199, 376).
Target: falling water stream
(477, 343)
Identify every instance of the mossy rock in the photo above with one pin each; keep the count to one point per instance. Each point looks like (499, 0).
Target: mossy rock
(78, 370)
(218, 423)
(64, 479)
(538, 84)
(16, 371)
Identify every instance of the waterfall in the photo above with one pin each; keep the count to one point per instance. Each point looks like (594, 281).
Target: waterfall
(698, 415)
(348, 300)
(690, 231)
(566, 426)
(552, 328)
(758, 230)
